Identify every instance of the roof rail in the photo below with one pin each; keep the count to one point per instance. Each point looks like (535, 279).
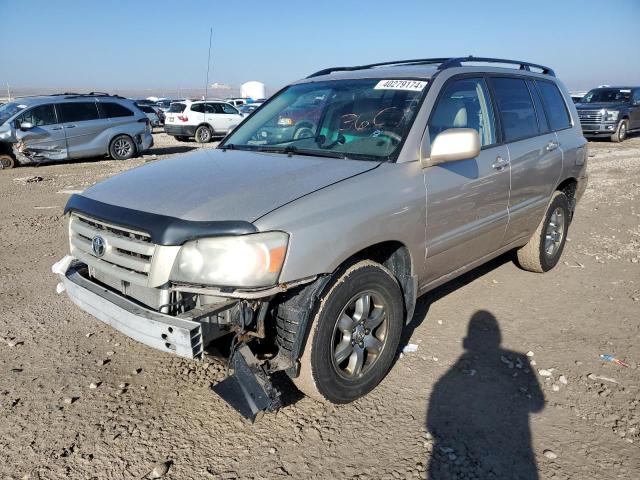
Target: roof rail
(90, 94)
(457, 62)
(443, 63)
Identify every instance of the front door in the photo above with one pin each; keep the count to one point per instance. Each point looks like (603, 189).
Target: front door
(466, 200)
(634, 110)
(45, 140)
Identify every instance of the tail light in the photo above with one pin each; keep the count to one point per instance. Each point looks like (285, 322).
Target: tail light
(182, 118)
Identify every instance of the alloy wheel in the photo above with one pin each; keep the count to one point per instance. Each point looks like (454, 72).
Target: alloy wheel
(555, 232)
(360, 335)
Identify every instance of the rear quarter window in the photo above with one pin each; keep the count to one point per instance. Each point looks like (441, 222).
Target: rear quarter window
(114, 110)
(556, 108)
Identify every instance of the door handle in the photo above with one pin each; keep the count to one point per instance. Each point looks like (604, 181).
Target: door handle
(56, 128)
(552, 146)
(500, 163)
(70, 126)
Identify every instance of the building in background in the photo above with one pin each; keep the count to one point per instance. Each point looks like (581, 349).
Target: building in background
(253, 90)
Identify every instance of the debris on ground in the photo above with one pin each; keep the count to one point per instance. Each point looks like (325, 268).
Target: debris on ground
(611, 358)
(29, 179)
(410, 348)
(160, 469)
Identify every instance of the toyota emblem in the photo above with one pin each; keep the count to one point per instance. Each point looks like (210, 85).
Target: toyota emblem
(98, 245)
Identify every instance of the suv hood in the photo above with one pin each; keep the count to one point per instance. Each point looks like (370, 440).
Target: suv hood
(600, 106)
(213, 185)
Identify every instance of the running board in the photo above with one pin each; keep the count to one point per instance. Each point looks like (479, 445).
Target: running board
(249, 389)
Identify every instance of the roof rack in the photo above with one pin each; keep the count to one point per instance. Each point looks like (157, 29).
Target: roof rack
(443, 63)
(90, 94)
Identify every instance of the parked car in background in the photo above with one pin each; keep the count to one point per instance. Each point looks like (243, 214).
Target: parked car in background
(70, 126)
(315, 247)
(248, 108)
(152, 114)
(236, 102)
(144, 101)
(164, 104)
(612, 112)
(202, 120)
(577, 96)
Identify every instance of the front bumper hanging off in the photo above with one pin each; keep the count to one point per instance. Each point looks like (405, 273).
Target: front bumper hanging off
(248, 390)
(164, 332)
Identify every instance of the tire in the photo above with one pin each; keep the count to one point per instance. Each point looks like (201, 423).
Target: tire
(181, 138)
(7, 161)
(122, 147)
(203, 134)
(541, 254)
(621, 132)
(364, 354)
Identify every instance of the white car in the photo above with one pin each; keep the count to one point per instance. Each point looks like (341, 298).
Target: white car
(202, 120)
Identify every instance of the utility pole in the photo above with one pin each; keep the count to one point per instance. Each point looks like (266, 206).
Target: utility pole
(206, 85)
(8, 92)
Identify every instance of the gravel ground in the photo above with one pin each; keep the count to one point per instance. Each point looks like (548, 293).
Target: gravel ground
(79, 400)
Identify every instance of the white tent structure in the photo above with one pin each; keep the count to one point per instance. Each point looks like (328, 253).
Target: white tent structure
(252, 90)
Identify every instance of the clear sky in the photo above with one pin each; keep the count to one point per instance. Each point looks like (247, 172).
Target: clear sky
(162, 44)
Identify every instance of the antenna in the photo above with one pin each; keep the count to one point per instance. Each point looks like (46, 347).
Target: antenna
(206, 85)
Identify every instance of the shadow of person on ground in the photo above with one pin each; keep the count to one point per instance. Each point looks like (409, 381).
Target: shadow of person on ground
(479, 410)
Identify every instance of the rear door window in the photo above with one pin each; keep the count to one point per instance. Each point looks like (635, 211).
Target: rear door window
(78, 111)
(198, 108)
(515, 107)
(39, 116)
(556, 108)
(114, 110)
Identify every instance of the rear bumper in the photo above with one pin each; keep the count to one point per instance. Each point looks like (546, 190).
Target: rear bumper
(180, 130)
(146, 141)
(170, 334)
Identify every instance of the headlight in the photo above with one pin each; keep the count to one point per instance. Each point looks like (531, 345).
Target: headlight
(611, 115)
(242, 261)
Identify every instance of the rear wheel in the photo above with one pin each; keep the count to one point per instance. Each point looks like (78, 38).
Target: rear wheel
(122, 148)
(621, 132)
(203, 134)
(354, 335)
(7, 161)
(545, 247)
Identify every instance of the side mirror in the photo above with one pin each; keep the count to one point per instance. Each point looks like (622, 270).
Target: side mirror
(24, 126)
(452, 145)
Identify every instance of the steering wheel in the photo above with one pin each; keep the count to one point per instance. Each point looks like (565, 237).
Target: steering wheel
(393, 137)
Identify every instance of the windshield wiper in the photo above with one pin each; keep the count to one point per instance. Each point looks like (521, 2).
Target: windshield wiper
(290, 150)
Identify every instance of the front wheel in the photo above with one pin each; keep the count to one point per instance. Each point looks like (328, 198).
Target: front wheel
(7, 161)
(354, 335)
(122, 148)
(621, 132)
(545, 247)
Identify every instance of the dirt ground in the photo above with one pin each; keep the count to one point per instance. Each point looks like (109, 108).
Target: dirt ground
(80, 400)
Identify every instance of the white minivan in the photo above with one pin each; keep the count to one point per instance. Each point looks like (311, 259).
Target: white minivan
(202, 120)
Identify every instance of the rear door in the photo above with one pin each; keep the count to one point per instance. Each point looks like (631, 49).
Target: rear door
(534, 153)
(46, 138)
(83, 125)
(466, 200)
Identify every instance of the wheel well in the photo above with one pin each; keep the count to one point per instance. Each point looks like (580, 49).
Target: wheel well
(568, 187)
(394, 256)
(205, 124)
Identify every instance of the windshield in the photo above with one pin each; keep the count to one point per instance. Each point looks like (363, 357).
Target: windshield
(361, 119)
(607, 95)
(8, 110)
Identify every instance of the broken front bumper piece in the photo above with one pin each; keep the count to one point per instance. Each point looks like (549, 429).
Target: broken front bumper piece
(182, 337)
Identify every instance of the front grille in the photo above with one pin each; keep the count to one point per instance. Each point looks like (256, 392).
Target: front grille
(590, 116)
(128, 253)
